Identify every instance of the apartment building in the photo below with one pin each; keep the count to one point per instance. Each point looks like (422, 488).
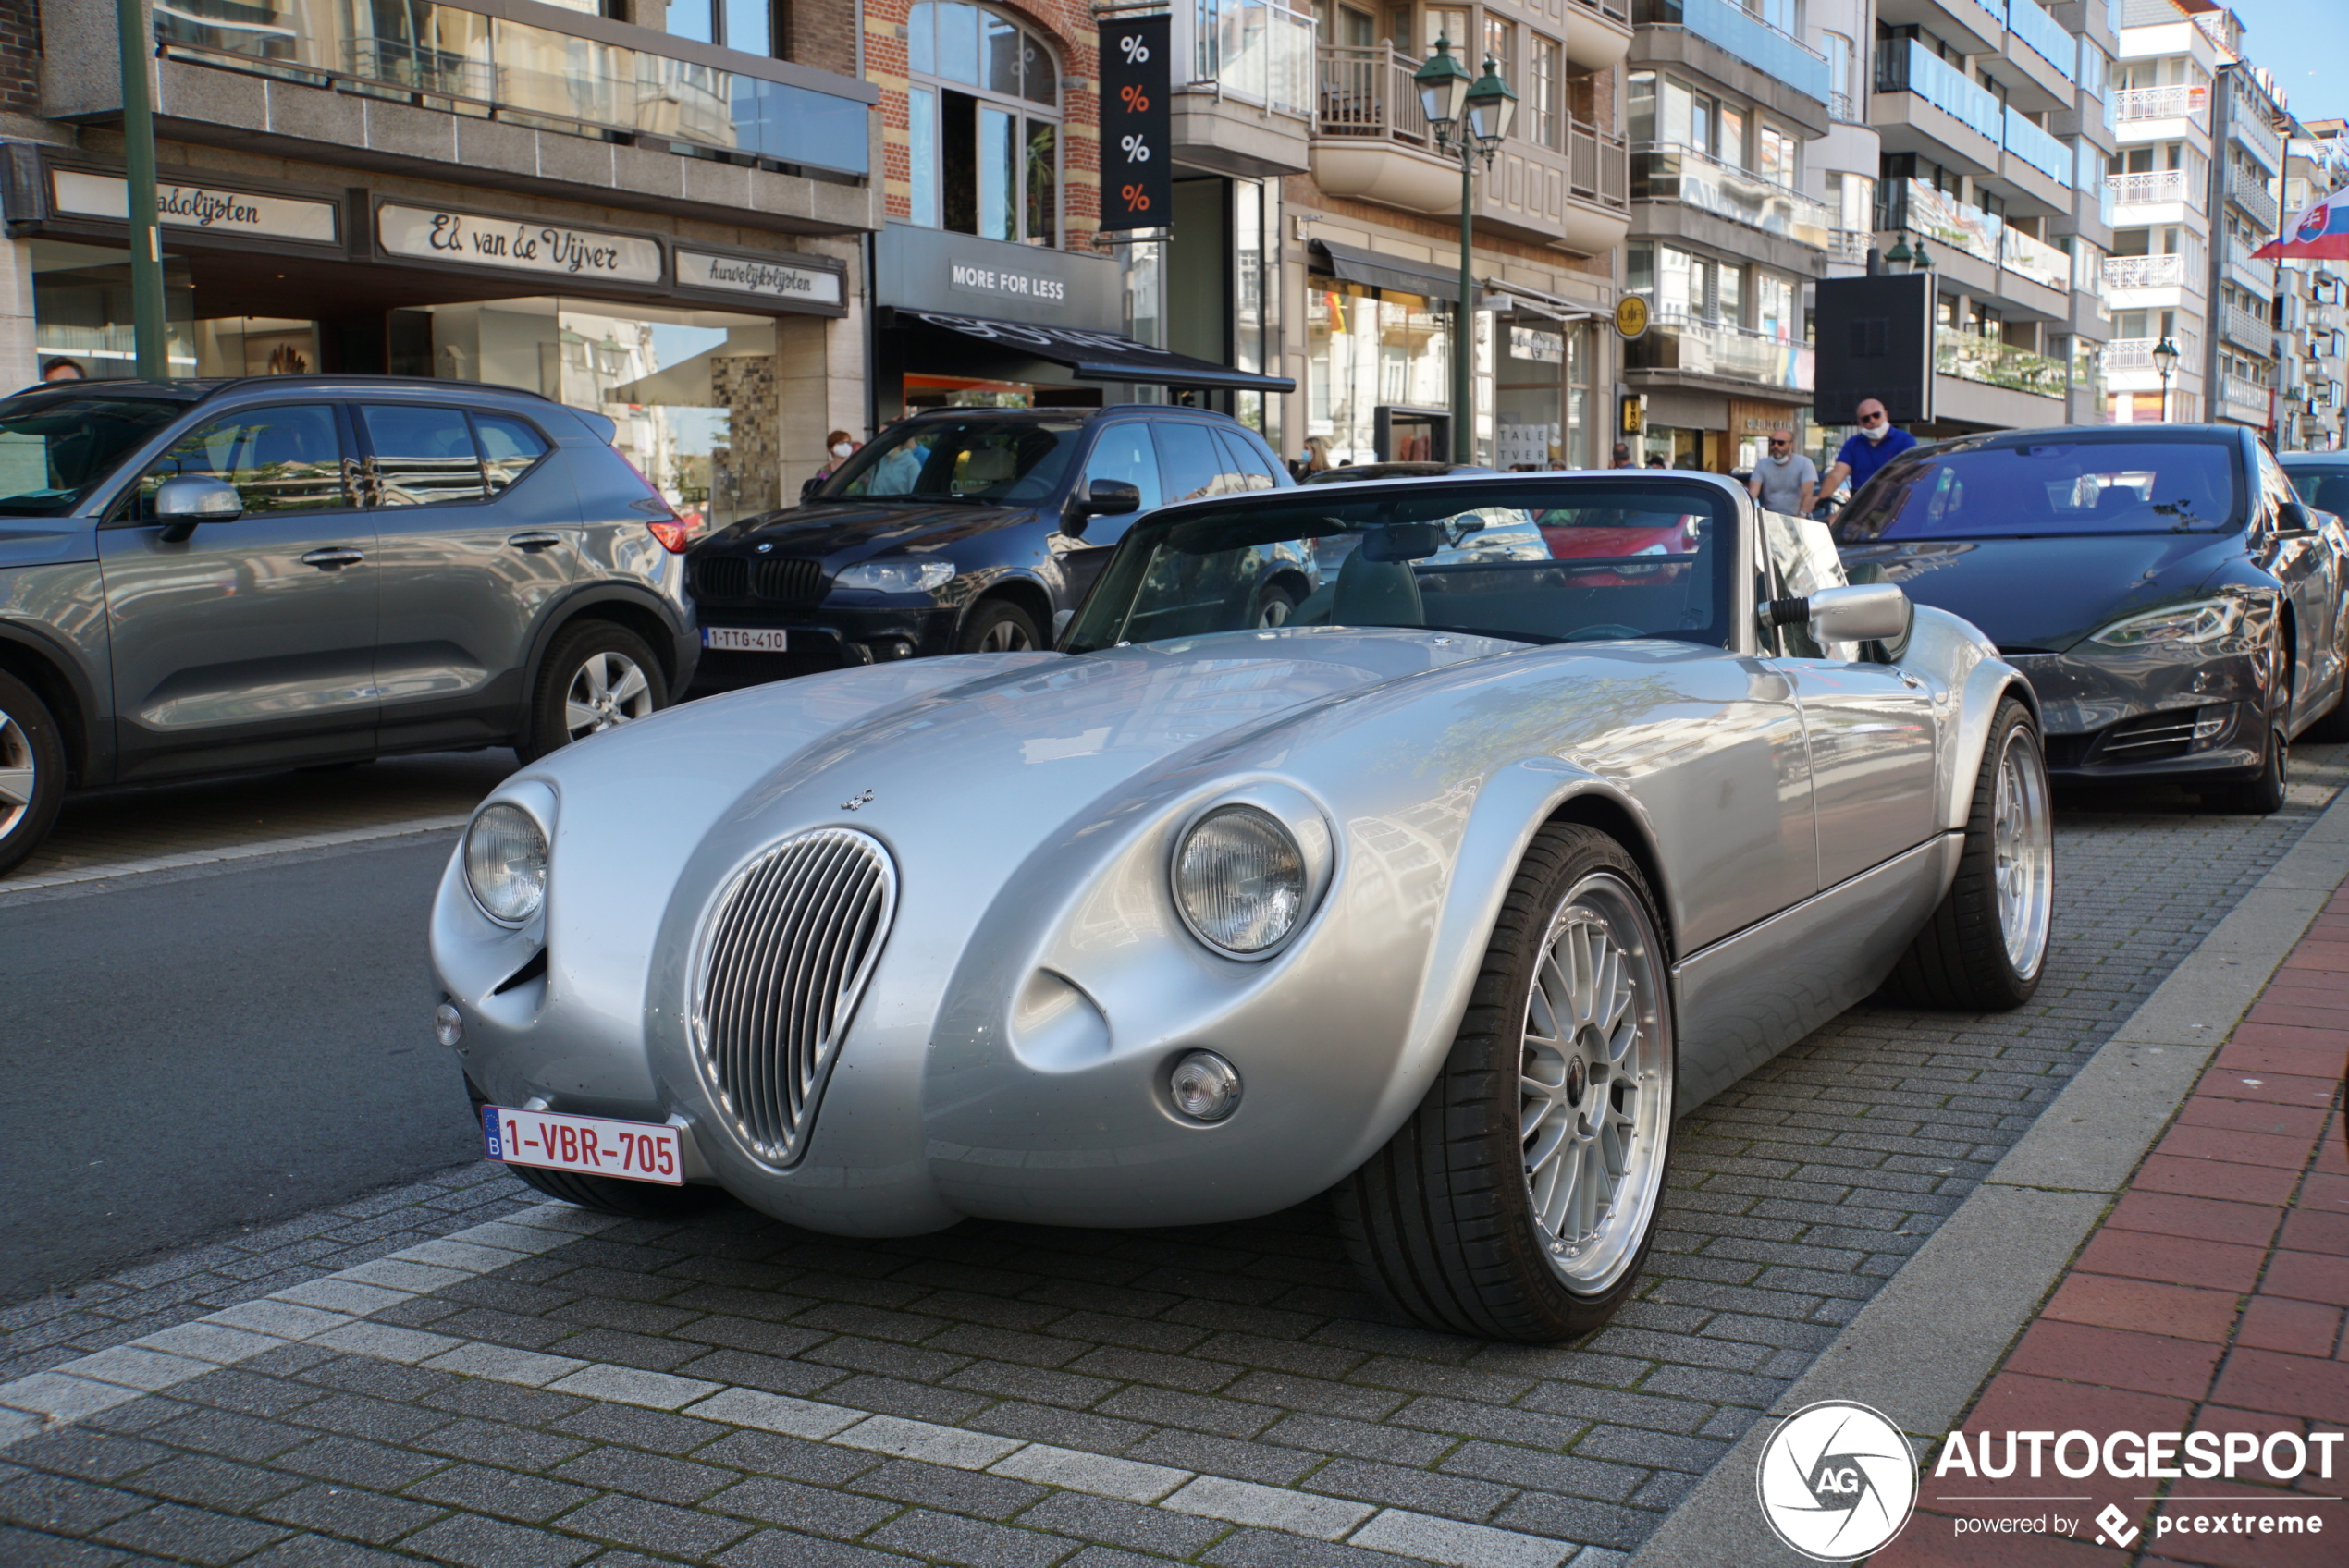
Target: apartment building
(1995, 127)
(658, 213)
(2312, 302)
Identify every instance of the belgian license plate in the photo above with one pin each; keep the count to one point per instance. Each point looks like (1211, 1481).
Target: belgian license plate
(640, 1151)
(745, 639)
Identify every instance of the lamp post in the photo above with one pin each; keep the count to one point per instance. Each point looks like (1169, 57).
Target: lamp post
(1900, 259)
(139, 174)
(2165, 359)
(1476, 116)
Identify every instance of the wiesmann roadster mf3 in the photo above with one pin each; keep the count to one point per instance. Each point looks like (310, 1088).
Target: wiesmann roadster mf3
(1444, 892)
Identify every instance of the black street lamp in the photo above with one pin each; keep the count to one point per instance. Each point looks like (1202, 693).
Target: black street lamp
(2165, 359)
(1474, 115)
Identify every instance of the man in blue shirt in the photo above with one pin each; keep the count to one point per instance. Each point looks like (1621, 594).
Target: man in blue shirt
(1878, 444)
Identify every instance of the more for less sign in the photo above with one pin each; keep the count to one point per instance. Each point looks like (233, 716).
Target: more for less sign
(516, 243)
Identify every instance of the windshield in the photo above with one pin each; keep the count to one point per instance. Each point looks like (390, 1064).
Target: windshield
(1549, 560)
(2179, 484)
(54, 451)
(981, 459)
(2322, 485)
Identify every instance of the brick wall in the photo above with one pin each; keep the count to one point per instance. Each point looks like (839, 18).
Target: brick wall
(822, 33)
(20, 56)
(1068, 26)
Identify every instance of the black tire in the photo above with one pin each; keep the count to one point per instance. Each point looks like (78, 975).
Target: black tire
(2331, 727)
(1961, 959)
(998, 626)
(2263, 796)
(1442, 1223)
(580, 652)
(1275, 602)
(32, 772)
(607, 1194)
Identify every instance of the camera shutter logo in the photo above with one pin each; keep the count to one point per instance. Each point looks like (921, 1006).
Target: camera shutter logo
(1837, 1481)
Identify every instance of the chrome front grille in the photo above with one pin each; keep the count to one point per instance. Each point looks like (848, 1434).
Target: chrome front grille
(782, 962)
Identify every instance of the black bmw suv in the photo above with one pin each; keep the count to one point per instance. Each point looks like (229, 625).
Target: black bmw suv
(955, 531)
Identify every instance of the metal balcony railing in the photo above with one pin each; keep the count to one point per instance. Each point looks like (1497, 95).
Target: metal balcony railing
(1993, 363)
(1849, 245)
(1256, 51)
(547, 73)
(1766, 48)
(2178, 101)
(1903, 64)
(1697, 346)
(2244, 400)
(1670, 172)
(1614, 10)
(2153, 185)
(2250, 330)
(2252, 195)
(2045, 36)
(2145, 272)
(1843, 108)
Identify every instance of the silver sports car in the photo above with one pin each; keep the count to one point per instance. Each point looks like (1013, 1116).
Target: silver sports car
(1446, 891)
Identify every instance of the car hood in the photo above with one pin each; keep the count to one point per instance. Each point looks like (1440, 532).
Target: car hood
(842, 528)
(2044, 595)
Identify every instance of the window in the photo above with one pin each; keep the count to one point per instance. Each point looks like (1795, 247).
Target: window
(1837, 49)
(1247, 460)
(983, 124)
(1195, 464)
(1542, 92)
(1500, 48)
(1775, 155)
(747, 25)
(508, 448)
(1125, 452)
(420, 457)
(280, 460)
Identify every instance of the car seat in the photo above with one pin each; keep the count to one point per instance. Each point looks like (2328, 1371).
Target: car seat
(1376, 593)
(2332, 495)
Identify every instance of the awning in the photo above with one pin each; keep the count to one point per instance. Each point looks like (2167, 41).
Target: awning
(1352, 265)
(1088, 356)
(1502, 295)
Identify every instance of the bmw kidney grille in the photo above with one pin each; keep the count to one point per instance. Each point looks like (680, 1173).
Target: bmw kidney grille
(783, 963)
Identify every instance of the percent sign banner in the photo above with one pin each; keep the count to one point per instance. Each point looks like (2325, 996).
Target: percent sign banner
(1137, 176)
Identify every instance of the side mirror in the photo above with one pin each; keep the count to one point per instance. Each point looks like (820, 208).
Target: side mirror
(1099, 497)
(187, 500)
(2293, 518)
(1872, 612)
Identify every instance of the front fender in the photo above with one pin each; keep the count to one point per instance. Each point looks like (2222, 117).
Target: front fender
(1974, 680)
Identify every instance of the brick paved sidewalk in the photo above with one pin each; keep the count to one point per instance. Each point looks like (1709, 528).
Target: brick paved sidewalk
(2211, 1299)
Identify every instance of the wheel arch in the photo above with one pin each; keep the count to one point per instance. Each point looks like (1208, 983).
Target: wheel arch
(1023, 591)
(621, 606)
(58, 682)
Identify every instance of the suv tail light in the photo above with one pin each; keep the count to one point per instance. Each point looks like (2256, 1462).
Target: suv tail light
(677, 533)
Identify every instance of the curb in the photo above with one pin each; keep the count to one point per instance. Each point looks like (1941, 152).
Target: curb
(190, 859)
(1928, 1340)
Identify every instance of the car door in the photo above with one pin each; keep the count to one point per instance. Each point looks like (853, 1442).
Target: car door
(1123, 450)
(2303, 561)
(1869, 724)
(250, 642)
(477, 535)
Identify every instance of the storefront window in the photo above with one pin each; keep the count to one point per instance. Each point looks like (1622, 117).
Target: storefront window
(982, 125)
(1365, 349)
(82, 310)
(1526, 406)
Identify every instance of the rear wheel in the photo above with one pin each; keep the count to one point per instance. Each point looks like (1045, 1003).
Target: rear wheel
(998, 626)
(1986, 945)
(598, 676)
(1520, 1199)
(32, 772)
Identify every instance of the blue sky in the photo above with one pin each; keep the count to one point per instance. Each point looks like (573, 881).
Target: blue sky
(2306, 43)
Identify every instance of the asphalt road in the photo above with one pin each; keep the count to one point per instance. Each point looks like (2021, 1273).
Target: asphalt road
(181, 1055)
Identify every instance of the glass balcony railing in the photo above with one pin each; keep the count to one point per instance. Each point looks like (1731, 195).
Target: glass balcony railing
(1731, 353)
(1903, 64)
(1942, 219)
(2034, 259)
(464, 61)
(1993, 363)
(2045, 36)
(2038, 149)
(1256, 51)
(1745, 35)
(1670, 172)
(2151, 185)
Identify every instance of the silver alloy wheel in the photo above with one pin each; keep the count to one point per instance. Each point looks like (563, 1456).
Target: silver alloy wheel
(2022, 836)
(606, 690)
(1275, 611)
(19, 777)
(1006, 636)
(1595, 1086)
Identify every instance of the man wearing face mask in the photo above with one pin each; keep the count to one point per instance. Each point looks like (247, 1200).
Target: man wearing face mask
(1878, 444)
(1785, 481)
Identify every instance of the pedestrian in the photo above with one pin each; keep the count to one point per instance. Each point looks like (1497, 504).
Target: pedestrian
(1622, 456)
(1878, 444)
(838, 447)
(1656, 459)
(1316, 459)
(63, 368)
(1785, 481)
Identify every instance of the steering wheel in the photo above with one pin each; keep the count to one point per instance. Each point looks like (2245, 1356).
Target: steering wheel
(1609, 632)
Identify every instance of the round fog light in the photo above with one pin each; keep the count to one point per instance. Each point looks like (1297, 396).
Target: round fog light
(448, 1025)
(1205, 1086)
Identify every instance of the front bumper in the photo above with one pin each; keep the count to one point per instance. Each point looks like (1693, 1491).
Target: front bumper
(2134, 718)
(826, 636)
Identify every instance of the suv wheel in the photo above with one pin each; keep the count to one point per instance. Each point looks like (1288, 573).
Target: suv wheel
(596, 676)
(32, 772)
(998, 626)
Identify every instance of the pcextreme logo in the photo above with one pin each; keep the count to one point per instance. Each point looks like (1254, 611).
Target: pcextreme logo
(1837, 1480)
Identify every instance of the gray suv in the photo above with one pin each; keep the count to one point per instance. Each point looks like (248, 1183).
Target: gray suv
(213, 577)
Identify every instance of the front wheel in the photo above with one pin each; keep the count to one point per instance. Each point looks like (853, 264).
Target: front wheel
(2264, 795)
(1987, 944)
(1520, 1199)
(596, 676)
(32, 772)
(998, 626)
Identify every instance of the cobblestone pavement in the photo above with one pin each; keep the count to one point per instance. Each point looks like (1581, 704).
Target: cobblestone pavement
(552, 1387)
(116, 832)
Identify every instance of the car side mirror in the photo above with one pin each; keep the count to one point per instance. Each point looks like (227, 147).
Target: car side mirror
(2293, 518)
(1866, 613)
(1099, 497)
(187, 500)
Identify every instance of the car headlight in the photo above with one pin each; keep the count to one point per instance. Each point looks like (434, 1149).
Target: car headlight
(900, 576)
(1239, 879)
(2181, 626)
(506, 863)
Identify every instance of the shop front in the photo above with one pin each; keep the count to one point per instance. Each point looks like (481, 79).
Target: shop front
(681, 344)
(1378, 347)
(966, 321)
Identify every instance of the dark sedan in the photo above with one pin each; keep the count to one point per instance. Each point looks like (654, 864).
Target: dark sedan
(957, 530)
(2177, 607)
